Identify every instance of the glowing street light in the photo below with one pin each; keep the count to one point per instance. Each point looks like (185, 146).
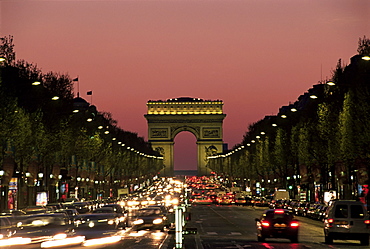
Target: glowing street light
(55, 98)
(330, 83)
(366, 58)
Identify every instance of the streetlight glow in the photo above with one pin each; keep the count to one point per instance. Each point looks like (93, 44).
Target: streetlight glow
(55, 98)
(330, 83)
(366, 58)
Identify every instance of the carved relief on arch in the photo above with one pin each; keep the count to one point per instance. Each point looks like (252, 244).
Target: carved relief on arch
(160, 150)
(193, 129)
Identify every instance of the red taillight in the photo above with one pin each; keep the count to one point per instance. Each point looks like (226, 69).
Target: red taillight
(294, 224)
(330, 220)
(265, 224)
(367, 222)
(279, 211)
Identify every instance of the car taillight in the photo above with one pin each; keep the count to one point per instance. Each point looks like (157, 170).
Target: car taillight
(294, 224)
(330, 220)
(265, 224)
(367, 222)
(279, 211)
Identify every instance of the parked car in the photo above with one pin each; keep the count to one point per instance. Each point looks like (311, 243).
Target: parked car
(347, 219)
(301, 208)
(319, 213)
(311, 210)
(277, 223)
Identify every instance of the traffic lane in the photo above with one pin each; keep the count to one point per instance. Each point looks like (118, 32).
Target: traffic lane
(122, 239)
(234, 227)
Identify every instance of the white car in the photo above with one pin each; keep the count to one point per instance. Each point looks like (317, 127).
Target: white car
(346, 220)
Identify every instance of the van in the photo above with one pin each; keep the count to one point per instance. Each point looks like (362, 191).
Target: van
(281, 194)
(346, 220)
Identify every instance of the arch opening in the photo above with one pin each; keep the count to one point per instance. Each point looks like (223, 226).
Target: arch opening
(185, 151)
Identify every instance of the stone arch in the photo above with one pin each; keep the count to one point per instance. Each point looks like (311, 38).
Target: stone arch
(203, 119)
(190, 129)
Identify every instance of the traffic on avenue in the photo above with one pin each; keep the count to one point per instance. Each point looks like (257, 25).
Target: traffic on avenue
(195, 212)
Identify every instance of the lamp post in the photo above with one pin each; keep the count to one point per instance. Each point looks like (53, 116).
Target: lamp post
(2, 194)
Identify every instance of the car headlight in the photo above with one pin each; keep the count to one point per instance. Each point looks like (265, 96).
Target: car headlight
(157, 221)
(111, 222)
(39, 223)
(138, 222)
(91, 224)
(60, 236)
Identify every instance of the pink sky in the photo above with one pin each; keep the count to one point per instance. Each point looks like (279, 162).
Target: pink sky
(255, 55)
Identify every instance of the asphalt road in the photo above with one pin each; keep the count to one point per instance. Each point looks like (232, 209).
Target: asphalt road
(221, 227)
(230, 227)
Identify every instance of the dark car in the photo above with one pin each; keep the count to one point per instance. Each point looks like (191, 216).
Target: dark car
(95, 225)
(150, 218)
(35, 210)
(82, 207)
(71, 213)
(277, 223)
(7, 229)
(116, 207)
(42, 227)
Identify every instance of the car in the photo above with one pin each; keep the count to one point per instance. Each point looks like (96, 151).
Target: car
(47, 226)
(150, 218)
(82, 207)
(118, 213)
(71, 213)
(117, 208)
(107, 221)
(311, 210)
(7, 229)
(277, 223)
(240, 201)
(35, 210)
(202, 200)
(225, 200)
(346, 219)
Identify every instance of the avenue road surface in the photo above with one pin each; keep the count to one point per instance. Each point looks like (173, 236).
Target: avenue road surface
(229, 227)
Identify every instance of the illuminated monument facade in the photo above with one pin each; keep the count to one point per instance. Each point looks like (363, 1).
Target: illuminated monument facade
(168, 118)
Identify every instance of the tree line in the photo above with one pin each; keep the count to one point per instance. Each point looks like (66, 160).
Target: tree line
(321, 139)
(44, 128)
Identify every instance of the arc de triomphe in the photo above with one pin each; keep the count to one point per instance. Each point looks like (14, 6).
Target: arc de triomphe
(168, 118)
